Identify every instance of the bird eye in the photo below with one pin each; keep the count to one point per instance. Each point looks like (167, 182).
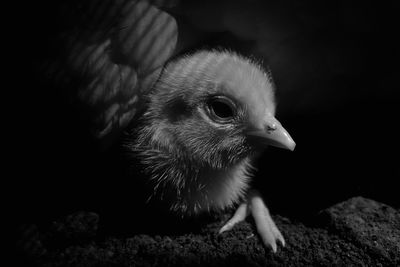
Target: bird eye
(221, 108)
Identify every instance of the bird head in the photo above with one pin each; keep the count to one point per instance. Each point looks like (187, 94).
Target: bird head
(210, 110)
(216, 106)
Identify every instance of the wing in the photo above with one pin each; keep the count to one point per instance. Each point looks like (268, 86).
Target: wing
(109, 53)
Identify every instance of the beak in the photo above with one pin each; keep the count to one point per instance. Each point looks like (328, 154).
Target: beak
(272, 134)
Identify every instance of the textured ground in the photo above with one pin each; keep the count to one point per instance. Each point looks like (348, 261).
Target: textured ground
(357, 232)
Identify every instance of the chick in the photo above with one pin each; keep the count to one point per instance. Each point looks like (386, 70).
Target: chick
(207, 115)
(206, 119)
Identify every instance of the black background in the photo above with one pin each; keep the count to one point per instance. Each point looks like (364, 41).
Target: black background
(336, 67)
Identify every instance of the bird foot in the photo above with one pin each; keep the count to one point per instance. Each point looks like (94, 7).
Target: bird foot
(266, 227)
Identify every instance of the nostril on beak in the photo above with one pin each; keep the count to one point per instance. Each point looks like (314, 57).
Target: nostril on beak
(271, 127)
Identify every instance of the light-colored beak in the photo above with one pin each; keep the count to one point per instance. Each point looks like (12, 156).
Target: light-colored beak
(272, 134)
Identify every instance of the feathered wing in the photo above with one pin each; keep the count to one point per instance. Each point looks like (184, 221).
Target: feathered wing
(110, 52)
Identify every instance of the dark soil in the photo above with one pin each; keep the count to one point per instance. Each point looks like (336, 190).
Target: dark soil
(357, 232)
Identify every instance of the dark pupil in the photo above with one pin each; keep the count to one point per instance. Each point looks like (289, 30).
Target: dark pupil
(221, 109)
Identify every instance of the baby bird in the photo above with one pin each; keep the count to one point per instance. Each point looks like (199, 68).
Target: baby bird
(206, 116)
(206, 119)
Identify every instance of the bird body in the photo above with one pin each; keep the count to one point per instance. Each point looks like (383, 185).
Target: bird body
(203, 162)
(209, 114)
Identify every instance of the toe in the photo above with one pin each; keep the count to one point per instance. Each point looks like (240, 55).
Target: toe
(266, 227)
(239, 216)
